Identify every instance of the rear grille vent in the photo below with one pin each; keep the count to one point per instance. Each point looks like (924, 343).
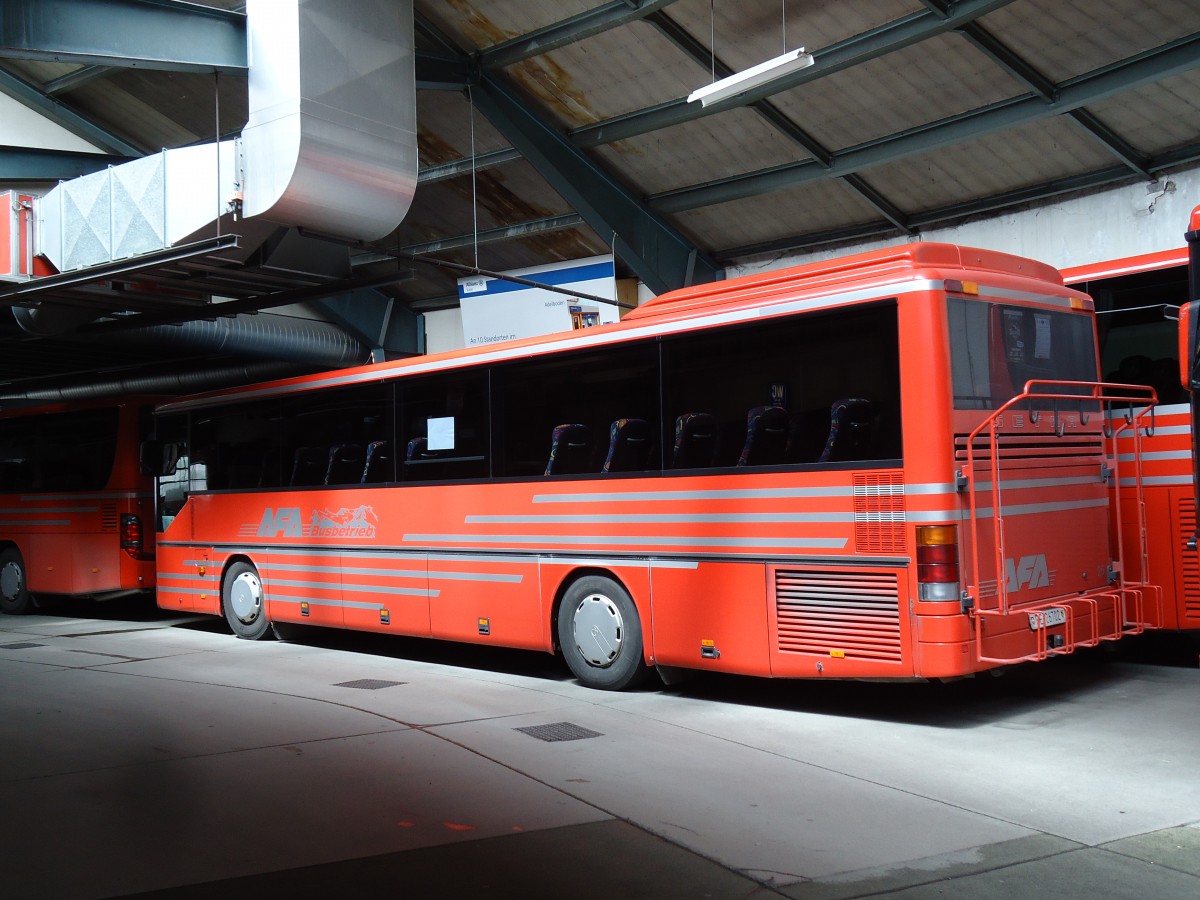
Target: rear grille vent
(1190, 562)
(109, 519)
(835, 611)
(879, 513)
(1033, 448)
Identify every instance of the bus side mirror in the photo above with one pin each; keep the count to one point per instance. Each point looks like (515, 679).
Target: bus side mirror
(1189, 365)
(158, 458)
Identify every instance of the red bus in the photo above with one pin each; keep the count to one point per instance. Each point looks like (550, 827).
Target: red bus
(1138, 301)
(74, 502)
(886, 466)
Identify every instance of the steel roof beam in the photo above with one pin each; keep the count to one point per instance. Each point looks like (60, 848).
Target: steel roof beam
(149, 34)
(1032, 194)
(1145, 68)
(584, 25)
(72, 80)
(1020, 69)
(31, 164)
(853, 51)
(660, 256)
(57, 111)
(502, 233)
(698, 53)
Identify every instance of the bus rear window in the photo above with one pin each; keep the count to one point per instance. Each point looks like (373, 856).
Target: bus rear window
(996, 349)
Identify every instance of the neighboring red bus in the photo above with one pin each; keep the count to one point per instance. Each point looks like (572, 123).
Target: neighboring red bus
(75, 506)
(1138, 301)
(794, 474)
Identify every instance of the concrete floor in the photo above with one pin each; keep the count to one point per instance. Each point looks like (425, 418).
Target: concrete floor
(141, 752)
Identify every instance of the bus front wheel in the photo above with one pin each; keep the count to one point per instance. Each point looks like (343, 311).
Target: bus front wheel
(600, 634)
(15, 598)
(242, 602)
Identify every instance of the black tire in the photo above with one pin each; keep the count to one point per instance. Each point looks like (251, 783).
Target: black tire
(15, 599)
(242, 601)
(600, 634)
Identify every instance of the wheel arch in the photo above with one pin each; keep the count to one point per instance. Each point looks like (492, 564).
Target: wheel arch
(578, 572)
(229, 562)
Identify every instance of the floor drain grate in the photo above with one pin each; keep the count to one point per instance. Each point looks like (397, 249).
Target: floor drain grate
(23, 645)
(559, 731)
(369, 684)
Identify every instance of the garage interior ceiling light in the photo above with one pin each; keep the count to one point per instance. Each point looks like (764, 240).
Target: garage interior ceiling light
(740, 82)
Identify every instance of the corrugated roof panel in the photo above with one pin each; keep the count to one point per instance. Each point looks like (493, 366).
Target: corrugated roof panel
(938, 78)
(612, 73)
(748, 32)
(444, 126)
(696, 152)
(819, 206)
(1070, 37)
(1157, 118)
(479, 24)
(1033, 154)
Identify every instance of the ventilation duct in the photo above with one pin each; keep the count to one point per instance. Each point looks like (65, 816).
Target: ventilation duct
(330, 147)
(260, 336)
(174, 382)
(331, 143)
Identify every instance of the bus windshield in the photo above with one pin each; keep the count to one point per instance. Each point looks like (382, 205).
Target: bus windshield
(995, 349)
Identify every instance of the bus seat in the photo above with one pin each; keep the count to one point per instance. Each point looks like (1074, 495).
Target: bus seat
(850, 430)
(695, 441)
(377, 468)
(345, 464)
(570, 450)
(308, 466)
(628, 446)
(766, 436)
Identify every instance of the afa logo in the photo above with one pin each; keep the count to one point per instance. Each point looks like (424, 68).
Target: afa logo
(1027, 572)
(344, 523)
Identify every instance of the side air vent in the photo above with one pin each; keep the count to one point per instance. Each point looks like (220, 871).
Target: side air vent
(855, 614)
(879, 513)
(1189, 564)
(109, 519)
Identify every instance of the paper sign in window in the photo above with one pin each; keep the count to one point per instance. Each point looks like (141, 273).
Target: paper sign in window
(440, 433)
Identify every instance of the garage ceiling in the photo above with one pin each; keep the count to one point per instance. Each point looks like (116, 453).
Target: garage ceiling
(554, 129)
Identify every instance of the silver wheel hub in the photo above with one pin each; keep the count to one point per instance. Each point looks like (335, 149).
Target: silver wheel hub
(598, 630)
(10, 581)
(245, 597)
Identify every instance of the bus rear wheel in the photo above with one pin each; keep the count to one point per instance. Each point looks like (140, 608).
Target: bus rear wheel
(242, 602)
(601, 635)
(15, 599)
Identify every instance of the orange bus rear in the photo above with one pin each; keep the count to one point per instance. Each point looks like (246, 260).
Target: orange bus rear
(887, 466)
(74, 504)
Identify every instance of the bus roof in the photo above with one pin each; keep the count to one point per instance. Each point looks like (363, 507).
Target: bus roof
(880, 269)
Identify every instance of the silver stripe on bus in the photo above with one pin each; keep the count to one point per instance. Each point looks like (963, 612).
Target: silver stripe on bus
(618, 562)
(589, 338)
(1028, 509)
(1158, 481)
(1156, 455)
(58, 523)
(652, 540)
(399, 573)
(730, 494)
(270, 583)
(664, 519)
(1021, 483)
(48, 509)
(1159, 431)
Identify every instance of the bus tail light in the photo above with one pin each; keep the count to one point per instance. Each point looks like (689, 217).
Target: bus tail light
(937, 562)
(131, 535)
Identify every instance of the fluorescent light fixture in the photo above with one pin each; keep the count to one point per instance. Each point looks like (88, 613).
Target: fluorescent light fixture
(740, 82)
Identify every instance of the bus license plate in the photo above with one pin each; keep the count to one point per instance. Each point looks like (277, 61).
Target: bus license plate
(1047, 618)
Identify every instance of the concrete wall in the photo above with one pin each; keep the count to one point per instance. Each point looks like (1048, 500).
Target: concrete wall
(1111, 224)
